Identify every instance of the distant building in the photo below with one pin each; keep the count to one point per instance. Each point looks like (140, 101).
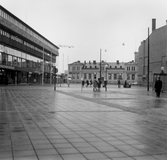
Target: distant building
(112, 71)
(25, 55)
(75, 71)
(131, 71)
(158, 55)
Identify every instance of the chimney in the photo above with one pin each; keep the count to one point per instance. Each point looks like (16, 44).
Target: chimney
(153, 24)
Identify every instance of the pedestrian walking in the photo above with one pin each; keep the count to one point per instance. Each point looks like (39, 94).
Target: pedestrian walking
(87, 83)
(125, 84)
(83, 83)
(105, 84)
(95, 85)
(99, 84)
(68, 82)
(158, 86)
(119, 83)
(90, 83)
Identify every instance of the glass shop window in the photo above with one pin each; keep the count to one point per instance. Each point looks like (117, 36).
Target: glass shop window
(109, 76)
(27, 63)
(23, 63)
(19, 62)
(10, 63)
(4, 58)
(15, 61)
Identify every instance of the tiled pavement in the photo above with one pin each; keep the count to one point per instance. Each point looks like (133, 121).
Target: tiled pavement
(38, 123)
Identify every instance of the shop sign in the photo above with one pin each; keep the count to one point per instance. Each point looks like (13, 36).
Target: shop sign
(6, 67)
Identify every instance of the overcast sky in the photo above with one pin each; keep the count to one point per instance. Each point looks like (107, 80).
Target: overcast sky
(91, 25)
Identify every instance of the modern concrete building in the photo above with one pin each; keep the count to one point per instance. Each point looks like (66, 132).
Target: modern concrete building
(110, 71)
(157, 56)
(25, 55)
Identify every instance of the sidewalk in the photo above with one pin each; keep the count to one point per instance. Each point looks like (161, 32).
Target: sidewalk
(38, 123)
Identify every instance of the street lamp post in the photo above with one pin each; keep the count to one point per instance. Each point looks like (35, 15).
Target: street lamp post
(55, 70)
(55, 83)
(106, 80)
(123, 44)
(100, 64)
(105, 83)
(43, 68)
(148, 61)
(51, 69)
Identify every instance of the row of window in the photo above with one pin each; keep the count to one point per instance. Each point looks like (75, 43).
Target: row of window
(10, 60)
(14, 52)
(77, 68)
(21, 59)
(15, 38)
(25, 28)
(115, 76)
(103, 68)
(133, 68)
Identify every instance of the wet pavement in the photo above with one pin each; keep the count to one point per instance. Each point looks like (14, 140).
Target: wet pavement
(71, 123)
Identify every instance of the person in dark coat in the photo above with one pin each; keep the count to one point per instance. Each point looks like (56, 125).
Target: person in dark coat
(119, 83)
(99, 84)
(83, 82)
(158, 87)
(90, 83)
(95, 84)
(87, 83)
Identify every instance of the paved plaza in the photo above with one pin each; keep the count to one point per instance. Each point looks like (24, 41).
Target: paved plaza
(71, 123)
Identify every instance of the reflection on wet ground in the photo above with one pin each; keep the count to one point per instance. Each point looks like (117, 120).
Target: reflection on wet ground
(38, 123)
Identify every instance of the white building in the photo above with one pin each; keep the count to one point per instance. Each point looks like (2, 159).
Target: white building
(112, 71)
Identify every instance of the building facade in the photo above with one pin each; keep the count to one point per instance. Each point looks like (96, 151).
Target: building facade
(110, 71)
(75, 71)
(157, 55)
(25, 55)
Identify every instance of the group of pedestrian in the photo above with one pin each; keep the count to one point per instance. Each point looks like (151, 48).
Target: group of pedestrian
(96, 85)
(88, 83)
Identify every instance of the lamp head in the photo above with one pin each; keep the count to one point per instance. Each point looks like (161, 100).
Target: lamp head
(162, 68)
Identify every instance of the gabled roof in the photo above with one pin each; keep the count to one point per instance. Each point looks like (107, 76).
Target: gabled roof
(77, 63)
